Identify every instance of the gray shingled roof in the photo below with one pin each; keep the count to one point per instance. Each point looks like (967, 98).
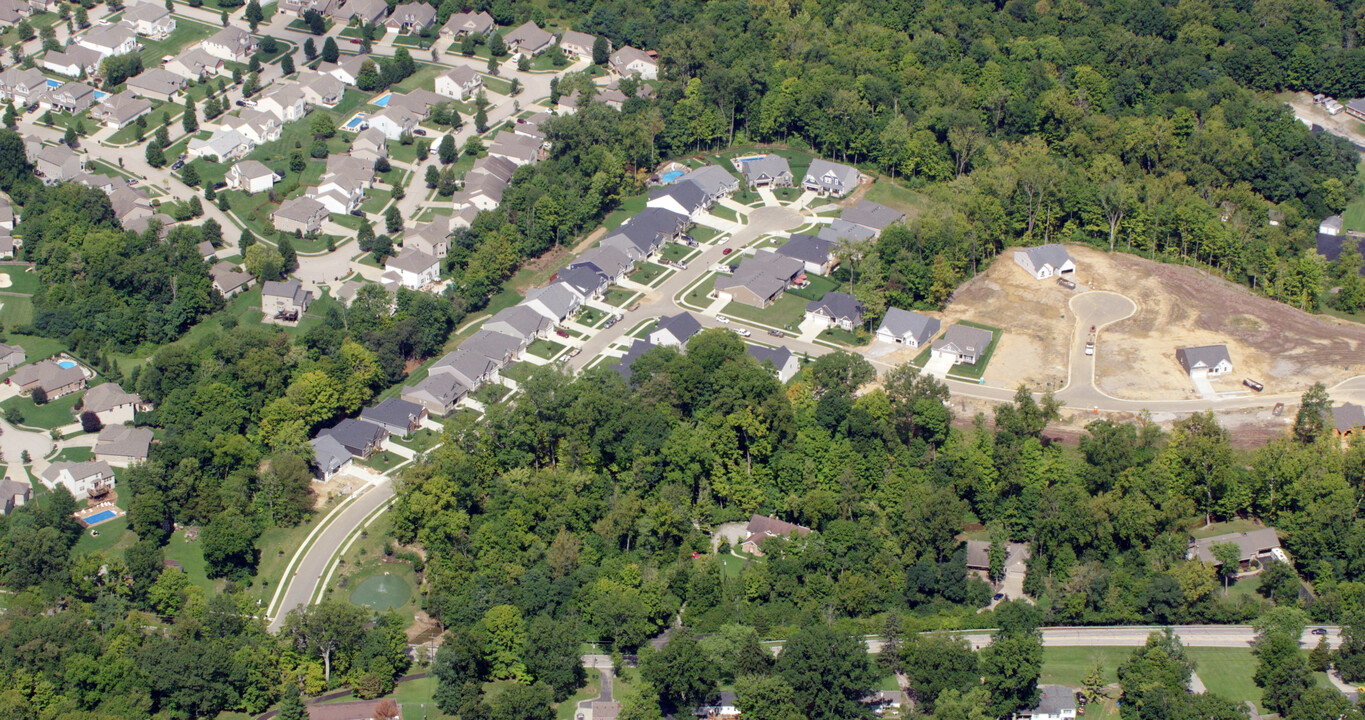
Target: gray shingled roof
(517, 321)
(778, 355)
(1054, 699)
(841, 230)
(871, 215)
(768, 166)
(903, 323)
(107, 397)
(1249, 544)
(712, 179)
(1348, 416)
(838, 305)
(681, 326)
(582, 278)
(392, 412)
(124, 441)
(1202, 356)
(355, 434)
(807, 248)
(557, 298)
(328, 454)
(441, 388)
(688, 195)
(966, 338)
(1052, 254)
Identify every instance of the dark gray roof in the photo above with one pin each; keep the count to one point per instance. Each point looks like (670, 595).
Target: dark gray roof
(638, 348)
(442, 388)
(608, 261)
(581, 278)
(768, 166)
(291, 289)
(652, 225)
(1250, 544)
(1329, 246)
(10, 489)
(1348, 416)
(492, 345)
(967, 338)
(871, 215)
(681, 326)
(765, 274)
(903, 323)
(518, 321)
(468, 367)
(355, 434)
(392, 412)
(328, 454)
(1051, 254)
(778, 355)
(807, 248)
(841, 230)
(688, 195)
(712, 179)
(1202, 356)
(838, 305)
(1054, 699)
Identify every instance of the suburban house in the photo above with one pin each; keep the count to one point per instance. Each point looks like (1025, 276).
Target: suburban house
(121, 110)
(1055, 702)
(12, 11)
(72, 98)
(258, 126)
(397, 417)
(360, 710)
(228, 280)
(411, 17)
(760, 279)
(460, 83)
(82, 479)
(321, 90)
(13, 494)
(302, 214)
(339, 193)
(630, 61)
(766, 171)
(250, 177)
(393, 122)
(150, 19)
(470, 368)
(347, 69)
(21, 85)
(784, 363)
(674, 331)
(329, 457)
(1330, 225)
(110, 403)
(223, 144)
(836, 309)
(468, 23)
(873, 216)
(299, 8)
(418, 101)
(515, 147)
(53, 378)
(58, 162)
(907, 328)
(122, 446)
(964, 344)
(577, 44)
(713, 180)
(73, 61)
(841, 231)
(816, 254)
(1347, 418)
(650, 228)
(556, 302)
(528, 39)
(608, 262)
(979, 555)
(1205, 360)
(360, 438)
(684, 198)
(1254, 546)
(438, 393)
(415, 269)
(762, 527)
(830, 178)
(368, 11)
(285, 101)
(499, 348)
(432, 238)
(519, 322)
(110, 40)
(1045, 261)
(370, 145)
(232, 44)
(11, 356)
(582, 280)
(155, 84)
(284, 300)
(625, 365)
(195, 64)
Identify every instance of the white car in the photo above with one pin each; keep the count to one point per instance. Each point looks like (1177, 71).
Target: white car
(722, 319)
(742, 332)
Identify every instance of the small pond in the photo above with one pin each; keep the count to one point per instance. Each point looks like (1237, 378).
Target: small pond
(381, 592)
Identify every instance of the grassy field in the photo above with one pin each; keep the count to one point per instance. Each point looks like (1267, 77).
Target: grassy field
(48, 415)
(424, 78)
(21, 280)
(1227, 672)
(785, 312)
(186, 33)
(1223, 528)
(892, 195)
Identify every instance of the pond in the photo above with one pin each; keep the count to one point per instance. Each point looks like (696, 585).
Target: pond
(381, 592)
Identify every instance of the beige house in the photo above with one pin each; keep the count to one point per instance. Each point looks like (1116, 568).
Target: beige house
(302, 214)
(284, 302)
(250, 177)
(122, 446)
(577, 44)
(460, 83)
(110, 403)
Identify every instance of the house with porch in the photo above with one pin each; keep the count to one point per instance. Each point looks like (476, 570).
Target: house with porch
(963, 344)
(836, 309)
(903, 327)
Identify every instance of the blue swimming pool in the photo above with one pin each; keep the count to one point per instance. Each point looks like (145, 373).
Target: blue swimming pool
(100, 95)
(101, 516)
(669, 178)
(354, 123)
(54, 84)
(66, 364)
(382, 101)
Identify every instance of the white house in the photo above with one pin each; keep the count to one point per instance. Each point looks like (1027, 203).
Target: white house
(82, 479)
(285, 101)
(1205, 360)
(415, 268)
(150, 19)
(110, 40)
(785, 364)
(259, 127)
(1330, 225)
(223, 144)
(674, 331)
(1045, 261)
(232, 44)
(393, 122)
(250, 177)
(1055, 702)
(963, 344)
(338, 194)
(459, 83)
(632, 61)
(902, 327)
(578, 45)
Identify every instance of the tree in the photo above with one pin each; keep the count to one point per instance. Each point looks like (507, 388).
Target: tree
(330, 51)
(39, 396)
(155, 157)
(263, 262)
(446, 151)
(1311, 422)
(480, 121)
(325, 630)
(551, 655)
(492, 66)
(287, 64)
(460, 667)
(90, 422)
(681, 672)
(310, 50)
(223, 18)
(317, 24)
(291, 705)
(1010, 667)
(506, 641)
(289, 261)
(523, 702)
(1157, 670)
(828, 672)
(935, 663)
(473, 146)
(1228, 557)
(82, 17)
(189, 121)
(229, 542)
(764, 697)
(368, 77)
(496, 47)
(393, 219)
(601, 50)
(69, 137)
(523, 62)
(253, 14)
(189, 175)
(433, 176)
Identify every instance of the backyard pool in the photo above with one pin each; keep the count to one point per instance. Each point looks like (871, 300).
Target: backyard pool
(669, 178)
(354, 123)
(66, 364)
(54, 84)
(100, 517)
(739, 161)
(100, 95)
(381, 592)
(382, 100)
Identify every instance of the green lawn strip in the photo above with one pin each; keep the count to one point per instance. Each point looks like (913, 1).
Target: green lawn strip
(975, 371)
(817, 287)
(497, 85)
(74, 454)
(786, 312)
(724, 213)
(699, 297)
(490, 393)
(415, 41)
(382, 461)
(545, 349)
(20, 280)
(619, 297)
(1227, 672)
(1223, 528)
(676, 252)
(186, 33)
(48, 415)
(844, 337)
(889, 193)
(629, 207)
(646, 272)
(420, 441)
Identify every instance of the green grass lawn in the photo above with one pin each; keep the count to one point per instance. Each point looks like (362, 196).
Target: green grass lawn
(676, 252)
(818, 286)
(629, 207)
(647, 272)
(785, 312)
(497, 85)
(424, 78)
(186, 33)
(975, 371)
(74, 454)
(1227, 672)
(421, 441)
(190, 556)
(415, 696)
(48, 415)
(21, 280)
(518, 372)
(382, 461)
(543, 348)
(415, 41)
(1223, 528)
(619, 297)
(724, 213)
(699, 295)
(16, 312)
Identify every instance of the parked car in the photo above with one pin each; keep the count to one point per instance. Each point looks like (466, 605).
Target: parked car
(132, 181)
(419, 131)
(248, 103)
(777, 333)
(743, 332)
(561, 332)
(1253, 384)
(178, 164)
(1090, 348)
(727, 251)
(1319, 631)
(722, 319)
(1279, 408)
(680, 265)
(1069, 285)
(219, 185)
(241, 103)
(358, 213)
(355, 41)
(183, 156)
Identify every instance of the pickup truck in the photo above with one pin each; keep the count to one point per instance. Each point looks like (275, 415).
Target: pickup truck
(1090, 348)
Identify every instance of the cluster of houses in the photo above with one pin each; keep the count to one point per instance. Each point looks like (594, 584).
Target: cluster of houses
(54, 163)
(485, 182)
(335, 448)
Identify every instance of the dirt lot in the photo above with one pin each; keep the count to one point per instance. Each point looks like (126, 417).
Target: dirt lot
(1339, 124)
(1284, 348)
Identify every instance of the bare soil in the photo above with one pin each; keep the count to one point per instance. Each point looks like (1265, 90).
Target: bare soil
(1340, 124)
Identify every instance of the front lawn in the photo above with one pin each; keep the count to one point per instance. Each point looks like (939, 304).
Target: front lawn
(619, 297)
(543, 348)
(784, 313)
(21, 280)
(646, 273)
(382, 461)
(46, 416)
(186, 33)
(676, 252)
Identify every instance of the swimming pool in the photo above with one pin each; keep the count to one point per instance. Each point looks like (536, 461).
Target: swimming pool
(382, 101)
(669, 178)
(101, 516)
(100, 95)
(741, 160)
(66, 364)
(54, 84)
(355, 122)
